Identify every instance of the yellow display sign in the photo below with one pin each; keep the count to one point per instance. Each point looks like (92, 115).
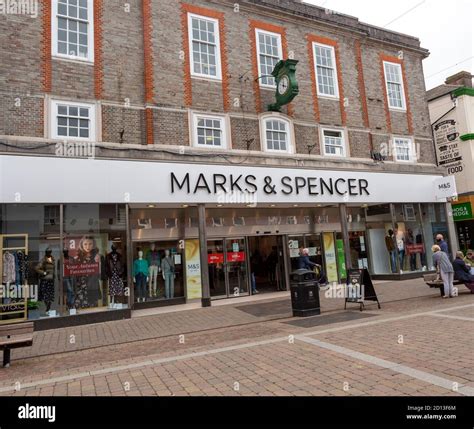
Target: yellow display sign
(330, 256)
(193, 270)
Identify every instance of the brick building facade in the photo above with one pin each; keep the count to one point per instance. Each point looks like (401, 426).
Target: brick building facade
(183, 83)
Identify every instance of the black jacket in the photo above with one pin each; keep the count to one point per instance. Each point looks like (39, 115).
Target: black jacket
(462, 271)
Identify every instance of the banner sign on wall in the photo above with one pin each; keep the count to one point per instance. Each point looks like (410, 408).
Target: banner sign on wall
(462, 212)
(193, 270)
(447, 146)
(330, 257)
(200, 183)
(341, 259)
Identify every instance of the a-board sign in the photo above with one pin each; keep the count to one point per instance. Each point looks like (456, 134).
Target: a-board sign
(360, 287)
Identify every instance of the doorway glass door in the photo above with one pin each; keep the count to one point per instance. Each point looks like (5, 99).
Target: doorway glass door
(215, 259)
(227, 260)
(236, 267)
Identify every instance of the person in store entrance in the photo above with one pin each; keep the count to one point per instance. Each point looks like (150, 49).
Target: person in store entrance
(445, 269)
(462, 271)
(304, 262)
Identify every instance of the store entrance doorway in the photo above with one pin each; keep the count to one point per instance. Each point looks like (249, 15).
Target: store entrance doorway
(267, 263)
(227, 260)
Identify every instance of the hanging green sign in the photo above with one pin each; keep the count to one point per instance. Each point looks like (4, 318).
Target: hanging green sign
(462, 212)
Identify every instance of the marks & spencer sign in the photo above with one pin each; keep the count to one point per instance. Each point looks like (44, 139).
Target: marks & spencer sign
(144, 182)
(215, 184)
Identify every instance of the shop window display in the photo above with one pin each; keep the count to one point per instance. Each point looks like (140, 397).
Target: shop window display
(381, 236)
(94, 261)
(158, 271)
(29, 263)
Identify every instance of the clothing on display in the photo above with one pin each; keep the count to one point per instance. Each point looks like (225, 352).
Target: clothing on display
(46, 270)
(9, 268)
(23, 270)
(68, 283)
(153, 258)
(390, 245)
(87, 287)
(168, 269)
(115, 269)
(140, 275)
(140, 281)
(140, 266)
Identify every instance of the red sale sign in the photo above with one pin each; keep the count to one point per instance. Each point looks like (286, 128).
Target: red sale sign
(215, 258)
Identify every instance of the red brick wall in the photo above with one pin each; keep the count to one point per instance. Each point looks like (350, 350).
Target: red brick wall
(148, 69)
(409, 117)
(46, 48)
(188, 96)
(311, 38)
(360, 76)
(98, 60)
(254, 25)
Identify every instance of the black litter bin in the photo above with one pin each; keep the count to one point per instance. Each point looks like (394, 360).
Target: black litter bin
(304, 289)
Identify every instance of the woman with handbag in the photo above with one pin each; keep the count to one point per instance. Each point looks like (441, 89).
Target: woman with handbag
(445, 269)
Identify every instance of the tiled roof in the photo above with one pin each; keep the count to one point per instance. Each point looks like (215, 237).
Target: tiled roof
(440, 91)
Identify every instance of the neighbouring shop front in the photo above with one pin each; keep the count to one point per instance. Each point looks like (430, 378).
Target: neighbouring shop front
(115, 244)
(464, 220)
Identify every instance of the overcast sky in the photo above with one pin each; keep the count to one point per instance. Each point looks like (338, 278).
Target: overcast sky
(444, 27)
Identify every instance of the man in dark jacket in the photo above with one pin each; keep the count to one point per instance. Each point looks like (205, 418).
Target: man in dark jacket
(462, 272)
(442, 243)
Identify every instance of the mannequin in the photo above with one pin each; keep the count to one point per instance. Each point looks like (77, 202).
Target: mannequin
(167, 268)
(400, 235)
(67, 282)
(390, 245)
(114, 269)
(46, 270)
(140, 276)
(154, 267)
(419, 240)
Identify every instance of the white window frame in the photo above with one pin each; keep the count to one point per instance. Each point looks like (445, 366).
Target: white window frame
(402, 86)
(345, 151)
(280, 54)
(263, 133)
(196, 116)
(218, 47)
(412, 153)
(53, 123)
(90, 34)
(336, 77)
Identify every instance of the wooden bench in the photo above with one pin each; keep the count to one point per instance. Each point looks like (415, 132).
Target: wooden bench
(432, 281)
(13, 337)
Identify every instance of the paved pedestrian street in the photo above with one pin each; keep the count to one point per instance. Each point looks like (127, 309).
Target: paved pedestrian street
(420, 345)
